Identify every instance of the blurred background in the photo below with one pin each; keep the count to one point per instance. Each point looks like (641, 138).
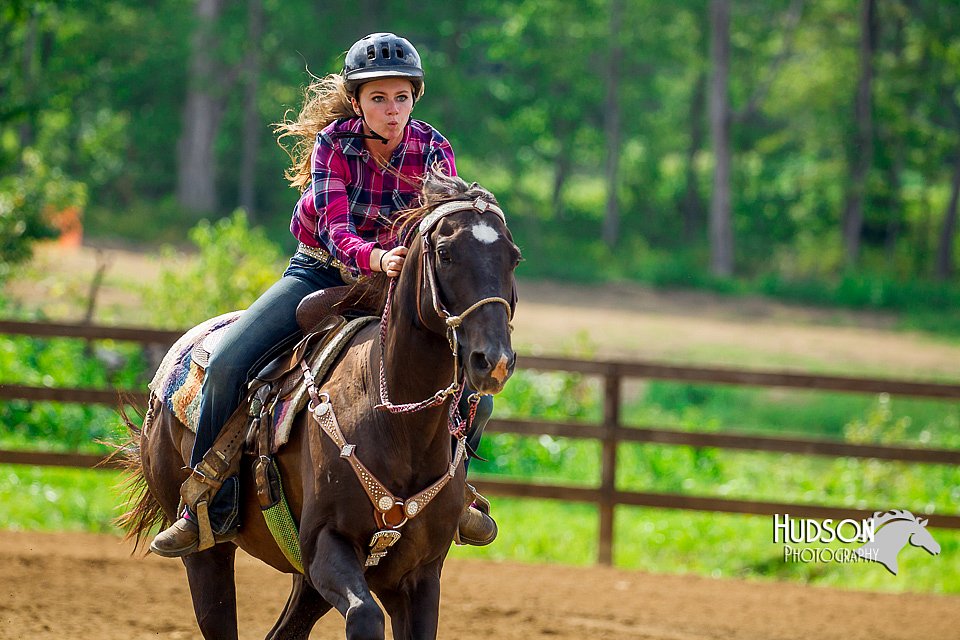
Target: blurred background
(752, 183)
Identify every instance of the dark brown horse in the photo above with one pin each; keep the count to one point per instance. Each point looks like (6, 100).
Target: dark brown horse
(464, 256)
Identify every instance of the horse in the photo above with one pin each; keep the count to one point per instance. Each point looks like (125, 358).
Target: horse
(892, 531)
(437, 332)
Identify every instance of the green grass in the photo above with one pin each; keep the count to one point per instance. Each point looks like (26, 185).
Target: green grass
(54, 499)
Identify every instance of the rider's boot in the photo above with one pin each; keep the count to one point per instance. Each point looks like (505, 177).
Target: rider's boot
(476, 526)
(183, 536)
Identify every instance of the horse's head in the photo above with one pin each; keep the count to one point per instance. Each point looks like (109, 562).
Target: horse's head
(920, 537)
(465, 258)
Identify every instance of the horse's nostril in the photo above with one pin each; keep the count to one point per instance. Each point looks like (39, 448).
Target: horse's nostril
(478, 360)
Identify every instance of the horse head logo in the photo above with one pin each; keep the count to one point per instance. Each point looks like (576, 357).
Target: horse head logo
(892, 530)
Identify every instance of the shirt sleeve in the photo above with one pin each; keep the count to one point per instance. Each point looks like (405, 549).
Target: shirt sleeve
(331, 174)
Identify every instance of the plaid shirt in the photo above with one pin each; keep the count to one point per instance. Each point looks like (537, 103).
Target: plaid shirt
(350, 205)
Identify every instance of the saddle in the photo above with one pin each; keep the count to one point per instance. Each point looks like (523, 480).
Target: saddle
(250, 428)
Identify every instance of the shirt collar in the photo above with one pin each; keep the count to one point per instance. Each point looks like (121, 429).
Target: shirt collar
(353, 146)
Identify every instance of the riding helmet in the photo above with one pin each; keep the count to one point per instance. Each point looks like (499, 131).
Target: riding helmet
(382, 55)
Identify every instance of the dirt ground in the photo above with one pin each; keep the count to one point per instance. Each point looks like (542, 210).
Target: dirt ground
(55, 586)
(624, 321)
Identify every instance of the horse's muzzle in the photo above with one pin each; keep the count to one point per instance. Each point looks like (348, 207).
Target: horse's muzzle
(488, 371)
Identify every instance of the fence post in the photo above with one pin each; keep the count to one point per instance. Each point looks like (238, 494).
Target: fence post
(608, 465)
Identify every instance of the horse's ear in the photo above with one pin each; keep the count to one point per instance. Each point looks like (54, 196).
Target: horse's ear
(924, 522)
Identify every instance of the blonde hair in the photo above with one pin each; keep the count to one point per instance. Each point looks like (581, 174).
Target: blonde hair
(324, 101)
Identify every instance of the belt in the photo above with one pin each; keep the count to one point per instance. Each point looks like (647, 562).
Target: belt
(328, 261)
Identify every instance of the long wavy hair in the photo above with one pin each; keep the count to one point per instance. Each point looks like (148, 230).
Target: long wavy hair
(325, 100)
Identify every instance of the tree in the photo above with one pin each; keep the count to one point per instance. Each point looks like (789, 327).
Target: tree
(611, 219)
(208, 82)
(252, 124)
(721, 224)
(861, 151)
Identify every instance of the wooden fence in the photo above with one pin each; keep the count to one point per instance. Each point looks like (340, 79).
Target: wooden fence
(610, 432)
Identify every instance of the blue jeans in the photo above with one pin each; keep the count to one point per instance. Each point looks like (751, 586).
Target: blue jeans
(261, 332)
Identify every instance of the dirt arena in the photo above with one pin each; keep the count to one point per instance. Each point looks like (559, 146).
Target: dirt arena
(87, 586)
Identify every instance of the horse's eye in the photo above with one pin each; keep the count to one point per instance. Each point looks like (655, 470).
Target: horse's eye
(444, 255)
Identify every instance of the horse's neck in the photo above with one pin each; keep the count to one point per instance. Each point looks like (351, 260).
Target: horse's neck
(418, 363)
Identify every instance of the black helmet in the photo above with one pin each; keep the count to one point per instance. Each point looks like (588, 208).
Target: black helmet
(382, 55)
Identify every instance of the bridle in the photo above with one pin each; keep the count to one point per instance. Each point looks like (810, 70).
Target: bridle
(426, 270)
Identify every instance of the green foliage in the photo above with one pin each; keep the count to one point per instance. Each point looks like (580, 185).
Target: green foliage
(27, 198)
(47, 499)
(235, 264)
(97, 90)
(65, 363)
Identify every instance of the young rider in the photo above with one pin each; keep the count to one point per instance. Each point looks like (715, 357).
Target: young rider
(358, 159)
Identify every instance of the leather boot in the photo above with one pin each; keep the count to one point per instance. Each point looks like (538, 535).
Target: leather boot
(476, 527)
(182, 538)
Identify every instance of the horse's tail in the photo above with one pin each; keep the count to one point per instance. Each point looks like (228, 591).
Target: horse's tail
(143, 512)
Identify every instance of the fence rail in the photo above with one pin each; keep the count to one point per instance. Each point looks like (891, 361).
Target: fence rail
(610, 431)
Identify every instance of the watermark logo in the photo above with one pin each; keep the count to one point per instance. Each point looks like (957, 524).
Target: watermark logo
(892, 531)
(881, 538)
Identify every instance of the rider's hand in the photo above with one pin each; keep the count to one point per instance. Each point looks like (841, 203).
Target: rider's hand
(393, 261)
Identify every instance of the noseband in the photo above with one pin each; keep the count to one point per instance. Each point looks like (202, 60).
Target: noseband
(427, 270)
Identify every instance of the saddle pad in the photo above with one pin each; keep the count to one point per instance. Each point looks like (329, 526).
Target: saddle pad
(179, 377)
(320, 363)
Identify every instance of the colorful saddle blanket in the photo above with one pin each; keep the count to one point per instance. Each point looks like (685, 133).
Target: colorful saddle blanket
(179, 379)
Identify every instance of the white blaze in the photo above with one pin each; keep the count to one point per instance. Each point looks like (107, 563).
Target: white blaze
(484, 233)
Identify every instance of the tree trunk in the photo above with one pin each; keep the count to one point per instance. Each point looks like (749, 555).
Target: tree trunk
(691, 208)
(251, 115)
(562, 167)
(611, 220)
(949, 230)
(202, 112)
(721, 225)
(861, 155)
(26, 131)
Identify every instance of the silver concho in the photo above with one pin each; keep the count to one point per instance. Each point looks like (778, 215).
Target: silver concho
(385, 503)
(412, 508)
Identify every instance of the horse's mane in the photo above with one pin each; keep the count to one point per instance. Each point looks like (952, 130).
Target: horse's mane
(438, 188)
(370, 294)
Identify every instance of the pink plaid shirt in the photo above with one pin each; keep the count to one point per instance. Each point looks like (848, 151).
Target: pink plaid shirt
(350, 205)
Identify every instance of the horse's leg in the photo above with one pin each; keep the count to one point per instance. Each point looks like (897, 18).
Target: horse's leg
(213, 589)
(415, 610)
(335, 571)
(304, 607)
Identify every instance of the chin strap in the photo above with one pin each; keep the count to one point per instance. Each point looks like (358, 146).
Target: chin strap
(373, 135)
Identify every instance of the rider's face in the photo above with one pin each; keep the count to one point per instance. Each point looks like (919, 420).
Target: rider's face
(386, 105)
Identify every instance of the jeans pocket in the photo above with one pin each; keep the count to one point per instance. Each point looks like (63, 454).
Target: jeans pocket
(304, 261)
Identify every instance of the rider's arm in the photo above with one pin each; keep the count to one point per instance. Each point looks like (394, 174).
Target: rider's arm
(323, 213)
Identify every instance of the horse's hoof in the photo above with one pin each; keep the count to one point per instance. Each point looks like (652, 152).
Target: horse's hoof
(476, 527)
